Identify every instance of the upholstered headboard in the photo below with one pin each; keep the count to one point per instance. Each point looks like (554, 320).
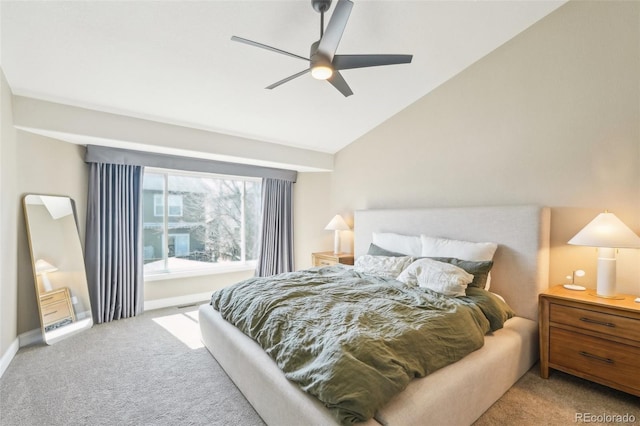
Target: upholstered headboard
(521, 262)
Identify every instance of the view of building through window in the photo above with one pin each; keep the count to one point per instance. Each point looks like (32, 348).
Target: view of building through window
(196, 221)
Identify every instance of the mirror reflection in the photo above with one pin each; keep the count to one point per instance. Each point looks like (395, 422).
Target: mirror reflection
(58, 266)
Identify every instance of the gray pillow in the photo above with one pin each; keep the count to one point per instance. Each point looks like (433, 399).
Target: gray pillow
(375, 250)
(479, 269)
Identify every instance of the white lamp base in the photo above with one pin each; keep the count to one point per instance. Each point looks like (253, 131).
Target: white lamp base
(606, 284)
(336, 242)
(46, 283)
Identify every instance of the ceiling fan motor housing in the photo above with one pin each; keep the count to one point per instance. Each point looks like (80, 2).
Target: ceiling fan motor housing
(316, 57)
(321, 6)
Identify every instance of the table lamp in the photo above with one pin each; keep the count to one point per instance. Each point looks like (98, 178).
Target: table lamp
(42, 267)
(607, 233)
(337, 224)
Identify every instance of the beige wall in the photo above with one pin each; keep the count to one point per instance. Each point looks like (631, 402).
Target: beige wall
(311, 213)
(9, 208)
(45, 166)
(552, 117)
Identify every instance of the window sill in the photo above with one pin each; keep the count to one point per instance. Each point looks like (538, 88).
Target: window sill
(216, 270)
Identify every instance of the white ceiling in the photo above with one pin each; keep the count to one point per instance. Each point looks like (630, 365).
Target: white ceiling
(174, 62)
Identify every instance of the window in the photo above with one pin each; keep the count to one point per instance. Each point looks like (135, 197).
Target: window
(197, 221)
(175, 205)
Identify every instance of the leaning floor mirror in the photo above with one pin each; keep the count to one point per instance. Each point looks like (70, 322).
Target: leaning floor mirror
(58, 266)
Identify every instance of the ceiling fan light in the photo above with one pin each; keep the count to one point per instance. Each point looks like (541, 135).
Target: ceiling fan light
(321, 72)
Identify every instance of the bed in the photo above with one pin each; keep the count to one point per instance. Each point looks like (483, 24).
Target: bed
(469, 386)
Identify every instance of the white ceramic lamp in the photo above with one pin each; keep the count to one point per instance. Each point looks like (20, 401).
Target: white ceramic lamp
(337, 224)
(42, 268)
(608, 233)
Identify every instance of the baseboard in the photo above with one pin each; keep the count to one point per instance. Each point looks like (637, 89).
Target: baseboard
(31, 337)
(7, 357)
(176, 301)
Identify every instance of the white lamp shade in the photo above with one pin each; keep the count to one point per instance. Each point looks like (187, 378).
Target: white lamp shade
(44, 266)
(606, 230)
(337, 224)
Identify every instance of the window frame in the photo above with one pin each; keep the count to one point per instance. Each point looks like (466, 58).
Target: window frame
(214, 268)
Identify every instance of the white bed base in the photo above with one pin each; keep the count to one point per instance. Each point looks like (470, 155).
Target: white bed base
(472, 384)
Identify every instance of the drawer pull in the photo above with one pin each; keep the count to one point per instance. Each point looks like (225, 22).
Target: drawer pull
(50, 313)
(591, 321)
(596, 357)
(44, 299)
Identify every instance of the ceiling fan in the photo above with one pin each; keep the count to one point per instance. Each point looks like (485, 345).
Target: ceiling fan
(324, 64)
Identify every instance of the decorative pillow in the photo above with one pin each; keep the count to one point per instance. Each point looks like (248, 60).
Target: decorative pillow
(441, 277)
(479, 270)
(464, 250)
(382, 266)
(409, 245)
(375, 250)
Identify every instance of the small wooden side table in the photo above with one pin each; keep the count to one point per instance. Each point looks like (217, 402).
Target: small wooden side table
(327, 258)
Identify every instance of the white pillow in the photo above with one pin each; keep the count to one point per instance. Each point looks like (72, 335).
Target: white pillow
(405, 244)
(442, 277)
(382, 266)
(463, 250)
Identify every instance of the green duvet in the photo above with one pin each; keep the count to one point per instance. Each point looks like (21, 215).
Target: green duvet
(352, 340)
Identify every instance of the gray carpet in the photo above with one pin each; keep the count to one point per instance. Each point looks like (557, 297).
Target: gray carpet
(135, 372)
(558, 400)
(127, 372)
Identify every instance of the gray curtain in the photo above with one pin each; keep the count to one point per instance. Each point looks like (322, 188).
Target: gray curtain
(113, 243)
(276, 244)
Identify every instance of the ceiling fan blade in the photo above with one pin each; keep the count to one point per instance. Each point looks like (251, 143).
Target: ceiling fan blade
(264, 46)
(345, 62)
(291, 77)
(335, 29)
(339, 83)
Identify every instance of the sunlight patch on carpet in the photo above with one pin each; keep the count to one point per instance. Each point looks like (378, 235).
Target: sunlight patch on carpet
(184, 327)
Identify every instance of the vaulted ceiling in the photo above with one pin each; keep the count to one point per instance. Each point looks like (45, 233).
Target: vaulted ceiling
(174, 62)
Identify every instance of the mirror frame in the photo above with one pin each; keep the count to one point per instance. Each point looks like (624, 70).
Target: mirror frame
(61, 302)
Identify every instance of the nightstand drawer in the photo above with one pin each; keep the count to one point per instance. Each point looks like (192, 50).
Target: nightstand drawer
(324, 262)
(53, 297)
(623, 327)
(603, 359)
(328, 258)
(54, 312)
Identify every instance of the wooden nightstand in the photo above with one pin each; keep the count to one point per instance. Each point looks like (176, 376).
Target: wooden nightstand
(56, 308)
(326, 258)
(590, 337)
